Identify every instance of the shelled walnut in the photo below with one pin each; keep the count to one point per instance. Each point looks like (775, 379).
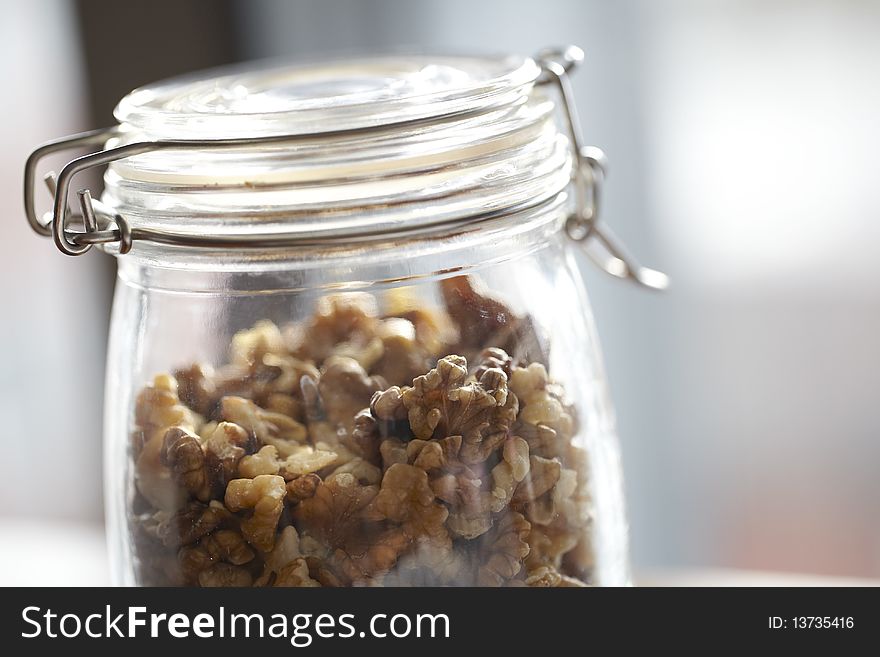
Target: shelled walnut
(360, 447)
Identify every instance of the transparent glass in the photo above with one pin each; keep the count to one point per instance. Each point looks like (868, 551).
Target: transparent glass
(428, 411)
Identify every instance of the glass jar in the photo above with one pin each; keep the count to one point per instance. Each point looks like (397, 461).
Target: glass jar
(350, 345)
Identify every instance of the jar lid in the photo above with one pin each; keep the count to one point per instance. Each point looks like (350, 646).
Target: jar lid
(338, 149)
(281, 99)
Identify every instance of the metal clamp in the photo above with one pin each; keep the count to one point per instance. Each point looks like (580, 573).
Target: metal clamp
(102, 225)
(590, 168)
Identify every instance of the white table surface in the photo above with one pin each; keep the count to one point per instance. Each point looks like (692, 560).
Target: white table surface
(55, 553)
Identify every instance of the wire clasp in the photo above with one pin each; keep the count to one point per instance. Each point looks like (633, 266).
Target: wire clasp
(588, 175)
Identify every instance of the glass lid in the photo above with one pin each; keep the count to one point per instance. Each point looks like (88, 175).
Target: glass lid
(282, 99)
(337, 148)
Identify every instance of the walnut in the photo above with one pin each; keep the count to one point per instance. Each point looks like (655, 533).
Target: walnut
(365, 354)
(345, 389)
(549, 543)
(579, 561)
(157, 409)
(559, 518)
(502, 550)
(538, 405)
(279, 402)
(264, 462)
(542, 477)
(227, 545)
(457, 484)
(283, 373)
(296, 574)
(388, 407)
(313, 405)
(541, 511)
(225, 447)
(433, 454)
(470, 514)
(443, 403)
(339, 515)
(324, 436)
(372, 558)
(154, 480)
(338, 318)
(195, 387)
(543, 576)
(223, 545)
(225, 574)
(560, 501)
(191, 523)
(203, 469)
(470, 505)
(304, 460)
(568, 582)
(512, 469)
(433, 329)
(387, 418)
(392, 451)
(494, 358)
(285, 565)
(336, 511)
(366, 473)
(192, 561)
(286, 549)
(542, 440)
(483, 321)
(321, 572)
(406, 498)
(402, 356)
(276, 429)
(365, 437)
(249, 346)
(541, 405)
(265, 495)
(182, 453)
(565, 501)
(270, 374)
(302, 488)
(477, 315)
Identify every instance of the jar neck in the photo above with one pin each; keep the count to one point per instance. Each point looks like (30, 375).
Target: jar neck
(374, 262)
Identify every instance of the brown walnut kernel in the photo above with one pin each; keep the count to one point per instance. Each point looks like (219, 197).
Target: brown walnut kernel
(302, 488)
(225, 575)
(182, 453)
(157, 409)
(227, 545)
(348, 318)
(225, 447)
(191, 523)
(339, 515)
(304, 460)
(345, 389)
(444, 403)
(502, 550)
(267, 427)
(265, 495)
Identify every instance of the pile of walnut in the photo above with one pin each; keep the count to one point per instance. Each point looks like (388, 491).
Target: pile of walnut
(350, 450)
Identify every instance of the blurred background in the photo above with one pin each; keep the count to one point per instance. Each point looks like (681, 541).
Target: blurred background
(742, 136)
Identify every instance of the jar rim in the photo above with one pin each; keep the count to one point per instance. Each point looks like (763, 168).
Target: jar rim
(281, 97)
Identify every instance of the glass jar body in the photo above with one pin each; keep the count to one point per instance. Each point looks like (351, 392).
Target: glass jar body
(423, 412)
